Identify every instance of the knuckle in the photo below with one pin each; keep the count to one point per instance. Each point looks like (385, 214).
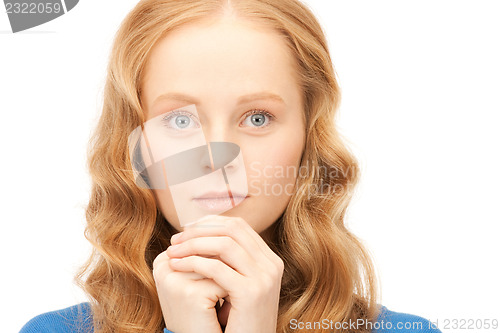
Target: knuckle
(226, 244)
(235, 226)
(256, 291)
(236, 223)
(267, 283)
(187, 233)
(159, 259)
(240, 222)
(218, 265)
(280, 264)
(190, 291)
(188, 245)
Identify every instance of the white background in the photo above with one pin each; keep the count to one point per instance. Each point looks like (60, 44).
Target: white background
(420, 83)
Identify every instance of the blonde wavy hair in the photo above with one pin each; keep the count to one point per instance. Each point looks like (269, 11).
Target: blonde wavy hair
(328, 274)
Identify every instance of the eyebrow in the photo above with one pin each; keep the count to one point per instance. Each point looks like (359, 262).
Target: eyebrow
(264, 95)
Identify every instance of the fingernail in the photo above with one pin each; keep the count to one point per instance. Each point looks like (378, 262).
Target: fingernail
(175, 237)
(174, 260)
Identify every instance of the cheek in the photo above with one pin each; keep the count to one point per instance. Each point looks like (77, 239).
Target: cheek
(165, 203)
(275, 163)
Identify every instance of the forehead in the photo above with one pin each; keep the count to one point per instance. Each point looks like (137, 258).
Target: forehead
(221, 59)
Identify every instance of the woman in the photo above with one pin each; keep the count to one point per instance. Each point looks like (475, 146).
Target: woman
(271, 256)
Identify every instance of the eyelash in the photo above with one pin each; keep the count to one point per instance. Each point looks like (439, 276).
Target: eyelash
(173, 114)
(246, 115)
(259, 111)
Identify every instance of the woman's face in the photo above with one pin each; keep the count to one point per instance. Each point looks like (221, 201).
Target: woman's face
(231, 68)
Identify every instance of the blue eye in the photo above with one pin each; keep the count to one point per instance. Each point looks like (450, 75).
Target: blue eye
(258, 118)
(180, 120)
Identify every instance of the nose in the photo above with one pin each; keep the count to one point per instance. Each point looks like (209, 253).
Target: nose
(220, 155)
(221, 144)
(217, 130)
(186, 166)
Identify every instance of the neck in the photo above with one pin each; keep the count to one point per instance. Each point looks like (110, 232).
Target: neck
(269, 234)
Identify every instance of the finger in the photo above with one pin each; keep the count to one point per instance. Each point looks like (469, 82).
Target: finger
(189, 275)
(164, 269)
(223, 247)
(214, 269)
(238, 229)
(215, 291)
(231, 221)
(161, 258)
(273, 259)
(161, 268)
(213, 225)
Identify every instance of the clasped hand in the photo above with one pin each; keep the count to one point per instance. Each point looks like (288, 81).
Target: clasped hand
(219, 257)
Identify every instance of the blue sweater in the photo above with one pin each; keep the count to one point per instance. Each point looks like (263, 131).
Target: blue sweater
(78, 318)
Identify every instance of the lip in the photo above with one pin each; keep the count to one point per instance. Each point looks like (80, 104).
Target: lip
(218, 201)
(216, 195)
